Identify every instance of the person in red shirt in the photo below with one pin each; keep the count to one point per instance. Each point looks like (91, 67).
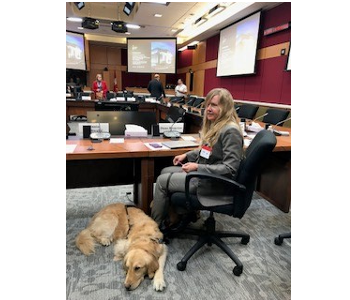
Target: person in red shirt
(99, 87)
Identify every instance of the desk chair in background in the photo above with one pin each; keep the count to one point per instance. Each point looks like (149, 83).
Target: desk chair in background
(279, 239)
(178, 100)
(247, 111)
(224, 196)
(174, 113)
(275, 116)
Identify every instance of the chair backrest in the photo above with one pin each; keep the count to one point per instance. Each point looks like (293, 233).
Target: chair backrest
(174, 113)
(247, 111)
(275, 116)
(198, 101)
(258, 151)
(177, 100)
(110, 95)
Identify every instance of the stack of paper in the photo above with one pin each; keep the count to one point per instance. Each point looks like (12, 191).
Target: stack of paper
(135, 131)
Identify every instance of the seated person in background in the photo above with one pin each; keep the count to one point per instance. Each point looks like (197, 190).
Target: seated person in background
(180, 89)
(155, 87)
(222, 136)
(99, 87)
(79, 83)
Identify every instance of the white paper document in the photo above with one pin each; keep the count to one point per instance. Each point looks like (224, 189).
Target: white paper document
(70, 148)
(188, 138)
(116, 140)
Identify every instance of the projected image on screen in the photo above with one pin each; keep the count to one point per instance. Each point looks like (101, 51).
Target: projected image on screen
(237, 47)
(152, 55)
(75, 54)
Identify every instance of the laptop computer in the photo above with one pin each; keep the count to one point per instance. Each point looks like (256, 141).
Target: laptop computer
(180, 144)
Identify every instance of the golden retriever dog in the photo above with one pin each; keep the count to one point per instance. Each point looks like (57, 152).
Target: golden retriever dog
(138, 243)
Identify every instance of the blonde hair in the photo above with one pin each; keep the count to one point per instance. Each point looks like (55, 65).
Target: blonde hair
(98, 75)
(227, 115)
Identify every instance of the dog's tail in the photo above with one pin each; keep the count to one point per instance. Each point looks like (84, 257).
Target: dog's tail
(85, 242)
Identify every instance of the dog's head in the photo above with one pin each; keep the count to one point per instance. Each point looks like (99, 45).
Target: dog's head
(137, 264)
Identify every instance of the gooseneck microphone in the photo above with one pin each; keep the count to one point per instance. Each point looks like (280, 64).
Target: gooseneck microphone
(260, 117)
(171, 133)
(279, 132)
(100, 135)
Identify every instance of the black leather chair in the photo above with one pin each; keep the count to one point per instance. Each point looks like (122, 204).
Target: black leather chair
(275, 116)
(237, 194)
(279, 239)
(174, 114)
(247, 111)
(178, 100)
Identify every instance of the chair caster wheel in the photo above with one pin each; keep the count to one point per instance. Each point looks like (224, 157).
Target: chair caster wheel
(237, 270)
(181, 266)
(245, 240)
(278, 241)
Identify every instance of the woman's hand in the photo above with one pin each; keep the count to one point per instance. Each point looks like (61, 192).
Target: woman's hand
(189, 167)
(179, 159)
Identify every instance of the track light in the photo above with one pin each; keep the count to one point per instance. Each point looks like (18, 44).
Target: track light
(128, 7)
(79, 5)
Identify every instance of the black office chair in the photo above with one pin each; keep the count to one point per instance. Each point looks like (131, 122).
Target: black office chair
(175, 114)
(197, 102)
(178, 100)
(110, 95)
(247, 111)
(275, 116)
(279, 239)
(190, 100)
(225, 196)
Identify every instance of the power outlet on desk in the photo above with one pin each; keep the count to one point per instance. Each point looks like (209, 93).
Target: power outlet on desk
(126, 192)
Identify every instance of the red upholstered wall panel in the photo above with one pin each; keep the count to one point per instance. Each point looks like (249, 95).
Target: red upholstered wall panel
(270, 83)
(135, 79)
(274, 17)
(184, 59)
(212, 48)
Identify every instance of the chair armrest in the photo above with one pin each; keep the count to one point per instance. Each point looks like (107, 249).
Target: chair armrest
(219, 178)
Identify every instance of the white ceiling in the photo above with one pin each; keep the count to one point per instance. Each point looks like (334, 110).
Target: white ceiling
(176, 15)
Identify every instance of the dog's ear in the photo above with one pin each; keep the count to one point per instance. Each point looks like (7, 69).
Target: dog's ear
(120, 249)
(152, 267)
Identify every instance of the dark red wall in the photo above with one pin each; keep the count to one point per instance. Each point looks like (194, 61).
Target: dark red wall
(271, 83)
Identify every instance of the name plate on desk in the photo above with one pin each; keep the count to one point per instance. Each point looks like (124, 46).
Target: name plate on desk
(179, 127)
(85, 97)
(95, 127)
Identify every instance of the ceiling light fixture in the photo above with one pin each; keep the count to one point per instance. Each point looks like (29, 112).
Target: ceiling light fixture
(215, 10)
(127, 32)
(133, 26)
(193, 43)
(200, 21)
(183, 48)
(158, 15)
(128, 7)
(72, 19)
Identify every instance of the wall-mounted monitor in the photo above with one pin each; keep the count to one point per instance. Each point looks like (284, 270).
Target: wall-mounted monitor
(289, 60)
(75, 51)
(238, 47)
(151, 55)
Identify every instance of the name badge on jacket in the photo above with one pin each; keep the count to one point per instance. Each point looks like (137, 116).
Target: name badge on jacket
(205, 152)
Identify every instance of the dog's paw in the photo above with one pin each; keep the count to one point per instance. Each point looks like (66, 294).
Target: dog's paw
(105, 241)
(159, 284)
(117, 257)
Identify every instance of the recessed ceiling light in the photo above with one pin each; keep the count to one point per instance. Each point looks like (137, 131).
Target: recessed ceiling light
(183, 48)
(158, 15)
(215, 10)
(193, 43)
(72, 19)
(81, 28)
(127, 32)
(133, 26)
(174, 30)
(200, 21)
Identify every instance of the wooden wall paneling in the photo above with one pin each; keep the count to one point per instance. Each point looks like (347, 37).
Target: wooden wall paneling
(198, 83)
(113, 56)
(199, 53)
(98, 54)
(87, 55)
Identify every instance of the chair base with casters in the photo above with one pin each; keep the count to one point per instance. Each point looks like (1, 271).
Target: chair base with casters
(210, 236)
(279, 239)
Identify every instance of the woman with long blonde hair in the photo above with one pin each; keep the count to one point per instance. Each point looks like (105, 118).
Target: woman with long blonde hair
(220, 153)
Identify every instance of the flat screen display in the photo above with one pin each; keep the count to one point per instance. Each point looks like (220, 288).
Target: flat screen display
(238, 46)
(75, 51)
(146, 55)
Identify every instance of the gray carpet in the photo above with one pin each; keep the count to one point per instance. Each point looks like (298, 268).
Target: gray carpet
(267, 267)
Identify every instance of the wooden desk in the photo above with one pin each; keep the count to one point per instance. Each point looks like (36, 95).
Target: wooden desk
(133, 162)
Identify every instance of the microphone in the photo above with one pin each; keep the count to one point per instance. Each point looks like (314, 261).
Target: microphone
(100, 135)
(171, 133)
(279, 132)
(260, 117)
